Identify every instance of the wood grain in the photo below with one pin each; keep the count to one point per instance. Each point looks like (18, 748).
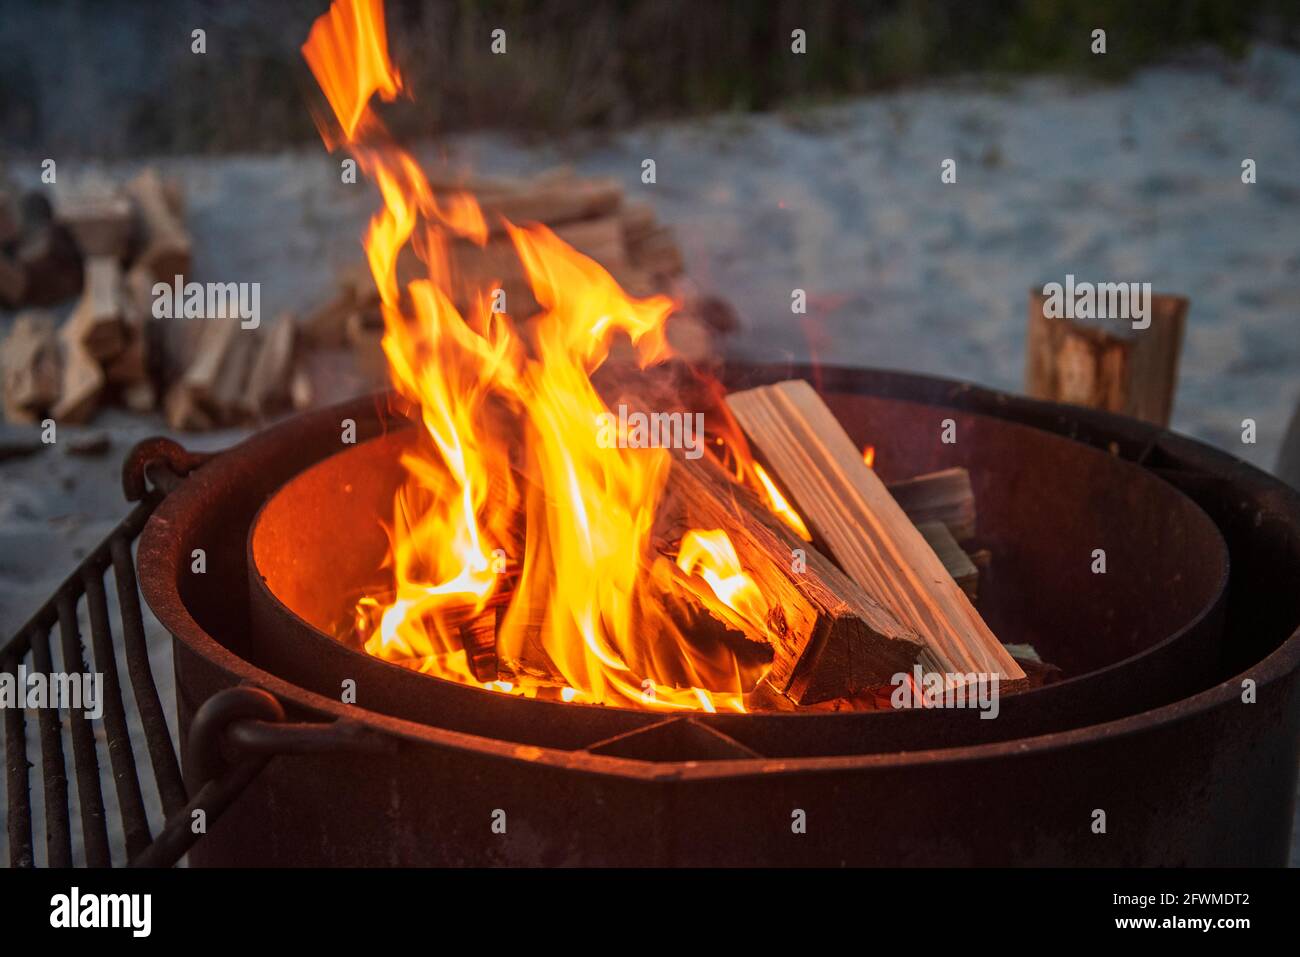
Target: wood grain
(849, 509)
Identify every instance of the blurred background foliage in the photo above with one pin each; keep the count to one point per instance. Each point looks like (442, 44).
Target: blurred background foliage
(116, 77)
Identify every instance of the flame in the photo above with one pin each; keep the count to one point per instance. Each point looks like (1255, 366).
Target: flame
(509, 500)
(712, 556)
(869, 455)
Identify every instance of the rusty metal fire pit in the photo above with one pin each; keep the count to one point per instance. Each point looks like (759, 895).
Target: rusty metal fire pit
(1186, 773)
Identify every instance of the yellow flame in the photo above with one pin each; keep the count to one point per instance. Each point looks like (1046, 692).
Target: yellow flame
(778, 504)
(508, 437)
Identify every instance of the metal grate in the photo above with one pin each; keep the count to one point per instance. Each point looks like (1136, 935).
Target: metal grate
(108, 735)
(245, 722)
(131, 729)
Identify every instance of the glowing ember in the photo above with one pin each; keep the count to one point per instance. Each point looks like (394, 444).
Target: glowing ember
(590, 613)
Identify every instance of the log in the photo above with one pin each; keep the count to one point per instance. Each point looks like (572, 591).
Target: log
(958, 564)
(848, 508)
(1105, 363)
(31, 367)
(944, 496)
(829, 638)
(166, 248)
(47, 254)
(83, 380)
(132, 371)
(268, 381)
(99, 217)
(98, 319)
(657, 252)
(189, 402)
(226, 402)
(324, 324)
(553, 201)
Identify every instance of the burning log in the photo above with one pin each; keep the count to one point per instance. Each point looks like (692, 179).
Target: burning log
(166, 248)
(1106, 364)
(829, 638)
(31, 367)
(849, 509)
(944, 496)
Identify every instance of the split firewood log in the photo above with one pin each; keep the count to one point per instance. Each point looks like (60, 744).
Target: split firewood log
(98, 321)
(32, 367)
(98, 215)
(848, 508)
(165, 249)
(942, 496)
(269, 378)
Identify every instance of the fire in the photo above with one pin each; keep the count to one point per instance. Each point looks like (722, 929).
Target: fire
(869, 456)
(509, 500)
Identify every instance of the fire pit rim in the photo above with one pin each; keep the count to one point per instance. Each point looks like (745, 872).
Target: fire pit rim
(159, 550)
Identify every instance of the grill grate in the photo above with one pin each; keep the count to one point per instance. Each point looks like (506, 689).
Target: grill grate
(119, 832)
(91, 739)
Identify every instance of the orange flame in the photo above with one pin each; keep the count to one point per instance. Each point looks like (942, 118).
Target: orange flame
(508, 417)
(869, 456)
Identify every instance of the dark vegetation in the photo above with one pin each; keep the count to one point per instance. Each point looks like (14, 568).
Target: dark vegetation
(116, 77)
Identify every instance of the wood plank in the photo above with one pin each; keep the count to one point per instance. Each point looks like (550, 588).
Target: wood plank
(954, 558)
(848, 508)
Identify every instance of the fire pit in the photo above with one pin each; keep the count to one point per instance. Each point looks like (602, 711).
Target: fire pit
(1045, 504)
(583, 784)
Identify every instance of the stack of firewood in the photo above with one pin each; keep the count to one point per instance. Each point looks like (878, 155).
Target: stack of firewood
(109, 244)
(591, 215)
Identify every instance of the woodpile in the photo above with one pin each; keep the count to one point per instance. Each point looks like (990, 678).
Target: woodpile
(591, 215)
(84, 245)
(110, 243)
